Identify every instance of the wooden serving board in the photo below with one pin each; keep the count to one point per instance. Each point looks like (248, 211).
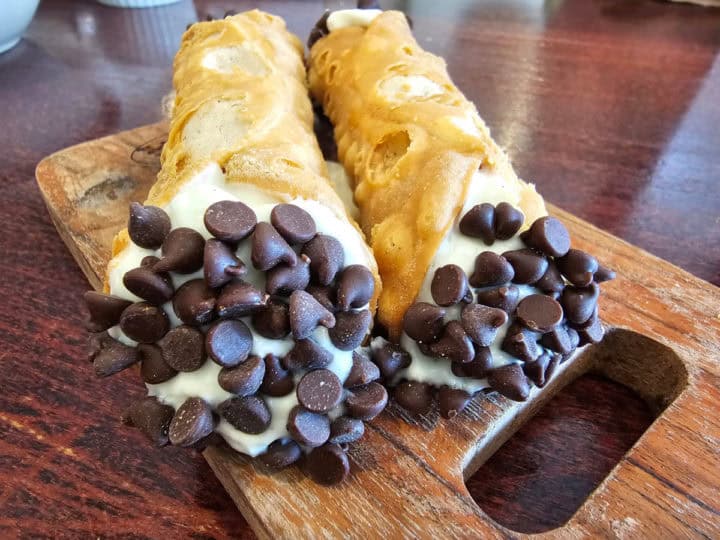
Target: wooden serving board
(408, 475)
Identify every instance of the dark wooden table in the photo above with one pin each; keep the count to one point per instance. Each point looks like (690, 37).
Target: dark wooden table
(611, 106)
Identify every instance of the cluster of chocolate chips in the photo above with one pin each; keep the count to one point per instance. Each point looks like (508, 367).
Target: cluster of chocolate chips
(543, 328)
(306, 286)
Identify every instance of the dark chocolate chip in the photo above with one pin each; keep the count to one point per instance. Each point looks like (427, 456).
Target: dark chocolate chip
(355, 287)
(96, 343)
(326, 258)
(249, 414)
(269, 248)
(284, 279)
(308, 428)
(454, 344)
(604, 274)
(539, 371)
(244, 379)
(505, 298)
(521, 343)
(326, 295)
(306, 354)
(449, 285)
(479, 222)
(281, 454)
(105, 310)
(510, 381)
(528, 265)
(144, 322)
(113, 357)
(350, 329)
(272, 320)
(153, 368)
(194, 303)
(148, 225)
(182, 252)
(328, 465)
(152, 418)
(149, 261)
(183, 348)
(306, 313)
(552, 281)
(482, 323)
(424, 322)
(293, 223)
(578, 267)
(228, 342)
(574, 338)
(192, 421)
(416, 397)
(579, 303)
(319, 391)
(548, 235)
(230, 221)
(508, 221)
(558, 340)
(539, 312)
(491, 270)
(591, 333)
(368, 4)
(320, 30)
(363, 371)
(478, 368)
(145, 283)
(390, 359)
(452, 402)
(344, 430)
(366, 402)
(220, 264)
(239, 299)
(278, 381)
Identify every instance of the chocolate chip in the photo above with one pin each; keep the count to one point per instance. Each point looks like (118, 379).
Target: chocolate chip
(319, 391)
(355, 287)
(548, 235)
(105, 310)
(539, 312)
(579, 303)
(230, 221)
(368, 4)
(113, 357)
(574, 339)
(491, 270)
(152, 418)
(153, 368)
(350, 329)
(578, 267)
(528, 265)
(320, 30)
(539, 371)
(244, 379)
(306, 354)
(326, 258)
(363, 371)
(293, 223)
(269, 248)
(508, 221)
(505, 298)
(454, 344)
(148, 285)
(183, 348)
(452, 402)
(306, 313)
(220, 264)
(416, 397)
(449, 285)
(344, 430)
(148, 225)
(326, 295)
(149, 261)
(592, 333)
(272, 320)
(182, 252)
(479, 222)
(478, 368)
(239, 299)
(482, 323)
(96, 343)
(308, 428)
(284, 279)
(521, 343)
(278, 381)
(281, 454)
(424, 322)
(604, 274)
(328, 465)
(144, 322)
(194, 303)
(248, 414)
(510, 381)
(552, 281)
(192, 421)
(558, 340)
(390, 359)
(366, 402)
(228, 342)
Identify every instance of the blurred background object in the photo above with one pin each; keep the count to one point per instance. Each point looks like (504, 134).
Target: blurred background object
(15, 16)
(136, 3)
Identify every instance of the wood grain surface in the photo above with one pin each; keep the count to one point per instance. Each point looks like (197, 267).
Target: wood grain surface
(611, 107)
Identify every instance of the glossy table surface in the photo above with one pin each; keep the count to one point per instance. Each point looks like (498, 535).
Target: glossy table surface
(611, 107)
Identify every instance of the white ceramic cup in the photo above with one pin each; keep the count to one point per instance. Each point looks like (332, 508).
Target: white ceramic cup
(15, 16)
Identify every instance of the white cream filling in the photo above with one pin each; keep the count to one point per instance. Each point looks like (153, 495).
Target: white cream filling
(404, 88)
(228, 59)
(351, 17)
(341, 183)
(187, 209)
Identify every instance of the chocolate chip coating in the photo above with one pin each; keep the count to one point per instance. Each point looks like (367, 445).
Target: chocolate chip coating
(478, 368)
(539, 312)
(328, 465)
(293, 223)
(308, 428)
(153, 368)
(148, 225)
(230, 221)
(192, 421)
(220, 264)
(319, 391)
(508, 221)
(548, 235)
(182, 252)
(306, 314)
(591, 333)
(604, 274)
(551, 281)
(521, 343)
(105, 310)
(579, 303)
(510, 381)
(578, 267)
(390, 359)
(144, 322)
(344, 430)
(228, 342)
(491, 270)
(281, 454)
(152, 418)
(455, 344)
(416, 397)
(283, 279)
(307, 354)
(249, 414)
(238, 299)
(355, 287)
(114, 357)
(452, 402)
(327, 257)
(278, 381)
(481, 323)
(505, 298)
(449, 285)
(183, 348)
(479, 222)
(244, 379)
(269, 248)
(424, 322)
(528, 265)
(149, 285)
(194, 303)
(272, 320)
(558, 340)
(366, 402)
(326, 295)
(350, 329)
(363, 371)
(540, 370)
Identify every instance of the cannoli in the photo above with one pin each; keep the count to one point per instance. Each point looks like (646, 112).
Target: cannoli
(241, 286)
(480, 286)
